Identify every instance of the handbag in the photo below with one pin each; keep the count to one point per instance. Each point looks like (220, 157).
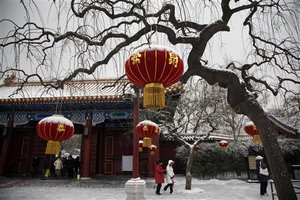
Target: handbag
(264, 171)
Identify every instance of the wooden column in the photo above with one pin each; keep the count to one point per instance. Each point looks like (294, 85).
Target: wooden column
(86, 143)
(154, 158)
(5, 145)
(136, 117)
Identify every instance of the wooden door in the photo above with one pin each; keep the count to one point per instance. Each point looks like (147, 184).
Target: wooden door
(108, 155)
(24, 155)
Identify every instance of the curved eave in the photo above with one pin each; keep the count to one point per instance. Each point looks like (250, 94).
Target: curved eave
(114, 96)
(284, 127)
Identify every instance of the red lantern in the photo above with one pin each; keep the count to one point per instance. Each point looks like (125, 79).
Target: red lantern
(154, 69)
(196, 148)
(147, 129)
(223, 144)
(251, 130)
(141, 143)
(54, 129)
(152, 149)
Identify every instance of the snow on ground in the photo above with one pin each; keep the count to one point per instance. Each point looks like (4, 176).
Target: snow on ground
(95, 190)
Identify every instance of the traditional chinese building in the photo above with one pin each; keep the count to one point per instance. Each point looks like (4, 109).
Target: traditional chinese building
(99, 112)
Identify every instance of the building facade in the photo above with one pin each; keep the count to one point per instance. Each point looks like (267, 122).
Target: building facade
(100, 113)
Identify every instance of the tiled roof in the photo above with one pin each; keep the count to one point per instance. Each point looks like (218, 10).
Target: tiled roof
(193, 137)
(74, 91)
(283, 126)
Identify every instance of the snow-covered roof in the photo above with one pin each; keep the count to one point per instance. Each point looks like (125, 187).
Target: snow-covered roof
(283, 126)
(73, 91)
(193, 137)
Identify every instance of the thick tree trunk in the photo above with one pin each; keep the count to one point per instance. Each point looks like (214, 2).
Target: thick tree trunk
(276, 163)
(188, 171)
(245, 103)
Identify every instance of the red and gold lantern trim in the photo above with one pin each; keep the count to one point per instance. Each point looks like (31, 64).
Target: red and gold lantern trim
(251, 130)
(154, 68)
(54, 129)
(147, 129)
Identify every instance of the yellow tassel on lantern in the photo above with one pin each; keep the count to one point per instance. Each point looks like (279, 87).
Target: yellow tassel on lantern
(256, 139)
(154, 96)
(53, 147)
(147, 142)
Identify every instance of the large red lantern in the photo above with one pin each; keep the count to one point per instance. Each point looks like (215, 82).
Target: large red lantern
(251, 130)
(147, 129)
(54, 129)
(154, 69)
(223, 144)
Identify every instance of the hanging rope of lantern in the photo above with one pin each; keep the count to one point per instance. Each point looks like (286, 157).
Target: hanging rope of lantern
(147, 129)
(154, 68)
(251, 130)
(54, 129)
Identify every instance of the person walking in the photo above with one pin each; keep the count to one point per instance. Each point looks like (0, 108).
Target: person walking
(70, 166)
(262, 174)
(76, 165)
(58, 167)
(170, 176)
(159, 176)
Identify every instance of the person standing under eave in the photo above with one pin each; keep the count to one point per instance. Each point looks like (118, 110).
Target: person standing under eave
(170, 176)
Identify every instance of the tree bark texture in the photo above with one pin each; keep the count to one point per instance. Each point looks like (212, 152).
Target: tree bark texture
(188, 174)
(276, 163)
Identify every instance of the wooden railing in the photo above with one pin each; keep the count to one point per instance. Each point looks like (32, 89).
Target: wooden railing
(296, 185)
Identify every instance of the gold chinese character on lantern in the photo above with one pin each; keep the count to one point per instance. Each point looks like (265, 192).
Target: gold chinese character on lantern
(60, 128)
(136, 58)
(173, 59)
(145, 128)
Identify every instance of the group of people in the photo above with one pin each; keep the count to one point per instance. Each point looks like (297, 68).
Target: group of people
(160, 173)
(70, 164)
(58, 167)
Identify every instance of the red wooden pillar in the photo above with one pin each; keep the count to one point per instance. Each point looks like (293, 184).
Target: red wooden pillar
(154, 158)
(5, 145)
(86, 143)
(135, 156)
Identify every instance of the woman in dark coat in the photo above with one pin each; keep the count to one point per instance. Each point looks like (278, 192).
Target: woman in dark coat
(262, 174)
(159, 176)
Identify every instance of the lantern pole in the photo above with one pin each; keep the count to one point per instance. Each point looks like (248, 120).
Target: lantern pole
(135, 156)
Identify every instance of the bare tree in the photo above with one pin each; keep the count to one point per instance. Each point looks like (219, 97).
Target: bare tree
(97, 32)
(196, 116)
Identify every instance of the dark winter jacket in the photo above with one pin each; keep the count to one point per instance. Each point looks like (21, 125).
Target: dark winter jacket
(261, 177)
(159, 174)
